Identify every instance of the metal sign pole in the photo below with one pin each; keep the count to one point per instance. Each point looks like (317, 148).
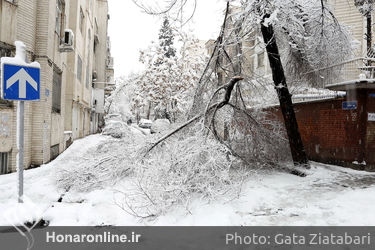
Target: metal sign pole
(20, 141)
(20, 137)
(18, 71)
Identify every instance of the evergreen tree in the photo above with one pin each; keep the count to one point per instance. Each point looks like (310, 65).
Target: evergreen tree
(166, 38)
(168, 83)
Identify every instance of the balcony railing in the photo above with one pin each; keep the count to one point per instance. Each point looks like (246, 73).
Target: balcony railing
(109, 63)
(358, 69)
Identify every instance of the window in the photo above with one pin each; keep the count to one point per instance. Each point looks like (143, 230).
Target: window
(81, 20)
(251, 64)
(5, 51)
(87, 76)
(261, 60)
(96, 36)
(88, 59)
(90, 5)
(56, 92)
(60, 17)
(4, 163)
(79, 68)
(251, 40)
(12, 1)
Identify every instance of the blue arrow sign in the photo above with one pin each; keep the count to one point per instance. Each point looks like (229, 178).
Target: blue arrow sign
(20, 82)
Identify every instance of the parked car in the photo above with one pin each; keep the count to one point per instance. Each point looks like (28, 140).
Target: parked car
(144, 123)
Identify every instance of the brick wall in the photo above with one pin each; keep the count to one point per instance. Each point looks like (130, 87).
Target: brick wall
(370, 131)
(333, 135)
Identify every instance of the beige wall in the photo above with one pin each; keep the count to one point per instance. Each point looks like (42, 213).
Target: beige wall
(347, 14)
(78, 94)
(7, 22)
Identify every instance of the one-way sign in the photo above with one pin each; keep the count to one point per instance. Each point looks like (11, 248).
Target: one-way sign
(20, 82)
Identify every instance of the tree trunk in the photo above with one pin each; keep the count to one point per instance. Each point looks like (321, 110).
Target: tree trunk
(296, 146)
(148, 111)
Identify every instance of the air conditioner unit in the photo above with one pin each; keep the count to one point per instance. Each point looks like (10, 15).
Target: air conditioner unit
(67, 42)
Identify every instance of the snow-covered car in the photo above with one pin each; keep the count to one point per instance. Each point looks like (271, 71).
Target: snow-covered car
(113, 117)
(144, 123)
(160, 125)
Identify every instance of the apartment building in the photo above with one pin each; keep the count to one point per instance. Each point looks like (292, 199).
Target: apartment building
(64, 36)
(254, 60)
(348, 14)
(84, 96)
(110, 82)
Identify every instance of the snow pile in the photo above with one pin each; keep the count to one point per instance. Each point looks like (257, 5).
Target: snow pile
(119, 129)
(160, 125)
(105, 163)
(172, 174)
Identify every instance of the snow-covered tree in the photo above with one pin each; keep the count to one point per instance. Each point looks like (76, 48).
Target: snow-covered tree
(119, 102)
(364, 6)
(167, 83)
(299, 36)
(166, 39)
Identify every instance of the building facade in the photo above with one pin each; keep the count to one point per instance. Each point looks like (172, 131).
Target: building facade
(64, 36)
(348, 14)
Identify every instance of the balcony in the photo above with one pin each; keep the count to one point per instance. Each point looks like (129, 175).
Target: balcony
(109, 63)
(358, 72)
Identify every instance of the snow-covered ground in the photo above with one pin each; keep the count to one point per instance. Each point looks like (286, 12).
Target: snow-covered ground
(329, 195)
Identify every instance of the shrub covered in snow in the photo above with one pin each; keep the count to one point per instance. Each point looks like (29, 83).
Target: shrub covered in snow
(160, 125)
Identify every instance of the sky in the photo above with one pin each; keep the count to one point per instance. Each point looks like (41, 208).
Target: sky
(130, 29)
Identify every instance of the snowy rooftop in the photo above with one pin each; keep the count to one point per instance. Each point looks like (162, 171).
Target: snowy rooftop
(353, 84)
